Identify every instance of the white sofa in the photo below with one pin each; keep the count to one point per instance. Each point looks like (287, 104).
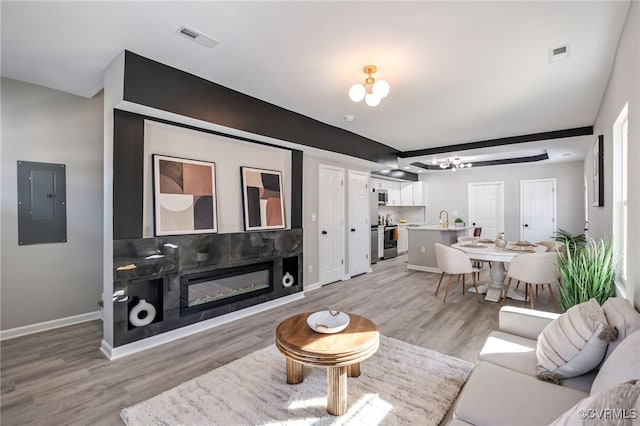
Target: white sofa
(504, 389)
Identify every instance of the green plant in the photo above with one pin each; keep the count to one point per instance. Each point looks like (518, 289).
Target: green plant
(458, 220)
(572, 242)
(586, 273)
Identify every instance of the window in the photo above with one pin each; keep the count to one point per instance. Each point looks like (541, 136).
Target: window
(620, 213)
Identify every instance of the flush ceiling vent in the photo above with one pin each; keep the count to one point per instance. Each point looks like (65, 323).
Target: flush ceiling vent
(197, 36)
(559, 53)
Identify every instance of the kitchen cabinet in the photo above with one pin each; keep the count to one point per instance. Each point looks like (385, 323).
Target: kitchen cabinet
(418, 193)
(378, 183)
(403, 239)
(381, 242)
(394, 193)
(406, 194)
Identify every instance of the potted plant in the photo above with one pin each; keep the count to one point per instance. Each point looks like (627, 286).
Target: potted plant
(572, 242)
(587, 272)
(459, 222)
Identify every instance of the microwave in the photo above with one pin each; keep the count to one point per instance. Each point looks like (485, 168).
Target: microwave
(383, 197)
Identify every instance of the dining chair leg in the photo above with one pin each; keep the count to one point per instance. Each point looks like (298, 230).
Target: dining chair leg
(506, 290)
(476, 287)
(439, 282)
(446, 292)
(553, 298)
(463, 283)
(531, 295)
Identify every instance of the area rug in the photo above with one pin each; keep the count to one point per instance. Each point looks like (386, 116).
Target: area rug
(401, 384)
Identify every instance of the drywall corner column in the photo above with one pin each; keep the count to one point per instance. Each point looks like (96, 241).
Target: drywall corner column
(113, 94)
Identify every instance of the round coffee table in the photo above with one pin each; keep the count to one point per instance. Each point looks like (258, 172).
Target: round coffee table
(341, 353)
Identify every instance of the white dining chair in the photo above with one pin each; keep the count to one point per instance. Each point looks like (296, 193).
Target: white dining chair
(534, 269)
(476, 263)
(454, 262)
(552, 245)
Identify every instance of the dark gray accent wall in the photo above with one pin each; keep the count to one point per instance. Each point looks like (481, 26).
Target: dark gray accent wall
(160, 86)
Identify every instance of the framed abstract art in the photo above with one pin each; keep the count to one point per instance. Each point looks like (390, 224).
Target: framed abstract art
(184, 196)
(263, 199)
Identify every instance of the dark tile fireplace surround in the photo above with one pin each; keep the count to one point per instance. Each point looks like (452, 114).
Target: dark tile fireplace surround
(192, 278)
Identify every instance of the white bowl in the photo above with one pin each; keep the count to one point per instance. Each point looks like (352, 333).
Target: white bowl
(324, 322)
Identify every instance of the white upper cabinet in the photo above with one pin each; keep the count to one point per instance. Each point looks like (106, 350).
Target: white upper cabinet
(400, 193)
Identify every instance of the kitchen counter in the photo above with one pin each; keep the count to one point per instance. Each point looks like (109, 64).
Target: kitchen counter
(421, 254)
(437, 228)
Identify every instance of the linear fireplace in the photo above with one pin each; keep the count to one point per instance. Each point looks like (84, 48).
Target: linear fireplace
(205, 290)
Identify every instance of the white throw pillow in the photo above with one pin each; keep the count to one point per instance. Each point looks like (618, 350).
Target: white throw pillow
(574, 343)
(619, 405)
(621, 315)
(621, 366)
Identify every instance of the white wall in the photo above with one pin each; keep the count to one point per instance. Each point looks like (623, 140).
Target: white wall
(449, 191)
(623, 87)
(46, 282)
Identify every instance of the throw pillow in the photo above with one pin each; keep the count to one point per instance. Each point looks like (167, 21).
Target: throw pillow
(619, 405)
(622, 365)
(621, 315)
(574, 343)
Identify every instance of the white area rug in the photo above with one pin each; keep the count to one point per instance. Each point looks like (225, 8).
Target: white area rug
(400, 384)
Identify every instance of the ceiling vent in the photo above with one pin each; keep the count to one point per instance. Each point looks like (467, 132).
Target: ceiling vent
(559, 53)
(197, 36)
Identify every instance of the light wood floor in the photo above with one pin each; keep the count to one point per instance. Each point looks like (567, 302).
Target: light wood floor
(59, 377)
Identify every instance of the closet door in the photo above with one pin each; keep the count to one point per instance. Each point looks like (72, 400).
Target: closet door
(331, 214)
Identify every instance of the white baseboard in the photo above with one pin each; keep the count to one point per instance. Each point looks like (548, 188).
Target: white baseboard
(49, 325)
(311, 287)
(169, 336)
(424, 268)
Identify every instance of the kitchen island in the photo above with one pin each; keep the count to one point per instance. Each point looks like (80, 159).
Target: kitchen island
(421, 254)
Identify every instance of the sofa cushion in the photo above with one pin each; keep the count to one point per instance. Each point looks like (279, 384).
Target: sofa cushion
(510, 351)
(621, 366)
(574, 343)
(619, 405)
(621, 315)
(494, 395)
(519, 354)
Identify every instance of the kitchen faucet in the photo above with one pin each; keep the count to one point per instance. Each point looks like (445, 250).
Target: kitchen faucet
(446, 223)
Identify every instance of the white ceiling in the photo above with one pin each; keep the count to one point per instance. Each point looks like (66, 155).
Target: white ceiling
(459, 71)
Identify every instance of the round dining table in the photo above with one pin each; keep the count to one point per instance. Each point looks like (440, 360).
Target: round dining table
(489, 252)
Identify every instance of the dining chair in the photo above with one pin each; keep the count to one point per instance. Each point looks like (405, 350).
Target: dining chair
(476, 263)
(534, 269)
(477, 231)
(555, 246)
(453, 262)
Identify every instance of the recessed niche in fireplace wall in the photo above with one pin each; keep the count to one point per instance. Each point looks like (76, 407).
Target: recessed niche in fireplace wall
(290, 271)
(149, 290)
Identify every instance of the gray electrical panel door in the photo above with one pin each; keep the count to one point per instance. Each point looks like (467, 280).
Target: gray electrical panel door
(42, 210)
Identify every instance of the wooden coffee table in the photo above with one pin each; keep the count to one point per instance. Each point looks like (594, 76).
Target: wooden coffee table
(341, 353)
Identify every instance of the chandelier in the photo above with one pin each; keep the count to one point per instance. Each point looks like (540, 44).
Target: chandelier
(371, 91)
(452, 163)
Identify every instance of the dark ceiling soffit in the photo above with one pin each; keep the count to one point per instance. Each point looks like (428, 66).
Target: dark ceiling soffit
(150, 83)
(514, 160)
(397, 174)
(556, 134)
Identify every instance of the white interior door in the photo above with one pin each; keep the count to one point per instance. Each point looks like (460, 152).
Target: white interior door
(537, 209)
(358, 227)
(486, 207)
(331, 224)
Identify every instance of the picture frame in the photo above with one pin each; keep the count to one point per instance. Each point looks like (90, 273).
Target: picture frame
(184, 196)
(263, 199)
(598, 171)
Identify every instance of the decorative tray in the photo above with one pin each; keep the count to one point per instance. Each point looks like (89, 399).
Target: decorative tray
(328, 322)
(520, 249)
(524, 244)
(474, 245)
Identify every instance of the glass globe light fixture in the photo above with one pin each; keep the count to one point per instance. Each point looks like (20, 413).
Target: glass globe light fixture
(357, 92)
(380, 88)
(371, 100)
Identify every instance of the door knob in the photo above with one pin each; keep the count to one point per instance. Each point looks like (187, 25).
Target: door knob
(324, 232)
(353, 229)
(526, 225)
